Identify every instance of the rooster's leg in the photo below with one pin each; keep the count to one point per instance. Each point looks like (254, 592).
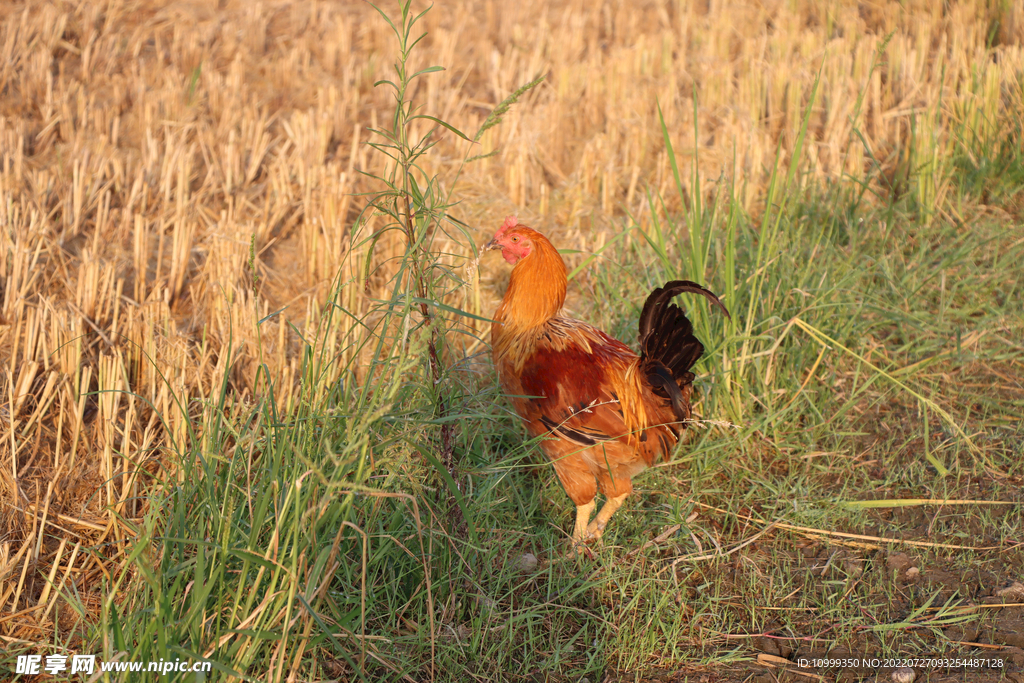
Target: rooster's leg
(596, 528)
(582, 517)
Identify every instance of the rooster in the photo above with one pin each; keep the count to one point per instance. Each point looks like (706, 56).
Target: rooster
(605, 413)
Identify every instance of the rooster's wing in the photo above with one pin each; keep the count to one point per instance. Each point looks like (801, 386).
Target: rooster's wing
(572, 382)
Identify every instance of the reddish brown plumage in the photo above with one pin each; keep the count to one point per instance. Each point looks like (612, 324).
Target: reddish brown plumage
(607, 413)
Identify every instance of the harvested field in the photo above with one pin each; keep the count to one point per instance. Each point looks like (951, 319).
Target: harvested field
(182, 187)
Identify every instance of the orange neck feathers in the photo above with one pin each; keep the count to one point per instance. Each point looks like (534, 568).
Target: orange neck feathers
(536, 290)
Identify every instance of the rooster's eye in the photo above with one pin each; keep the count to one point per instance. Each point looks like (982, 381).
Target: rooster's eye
(515, 239)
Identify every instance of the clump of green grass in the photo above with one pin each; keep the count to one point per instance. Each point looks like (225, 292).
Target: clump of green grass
(848, 372)
(988, 158)
(319, 541)
(875, 350)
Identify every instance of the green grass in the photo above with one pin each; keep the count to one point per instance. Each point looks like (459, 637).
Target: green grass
(377, 531)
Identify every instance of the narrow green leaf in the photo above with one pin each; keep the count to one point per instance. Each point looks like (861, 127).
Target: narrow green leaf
(913, 502)
(453, 488)
(270, 315)
(428, 70)
(482, 156)
(451, 309)
(442, 123)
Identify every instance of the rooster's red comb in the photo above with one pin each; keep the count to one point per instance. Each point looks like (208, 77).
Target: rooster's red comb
(510, 222)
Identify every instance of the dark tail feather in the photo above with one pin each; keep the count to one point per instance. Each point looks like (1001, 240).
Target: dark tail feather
(663, 295)
(661, 379)
(668, 348)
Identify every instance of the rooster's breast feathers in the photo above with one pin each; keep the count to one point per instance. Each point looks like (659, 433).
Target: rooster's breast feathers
(575, 382)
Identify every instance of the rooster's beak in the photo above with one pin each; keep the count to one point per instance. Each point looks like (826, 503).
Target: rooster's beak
(493, 244)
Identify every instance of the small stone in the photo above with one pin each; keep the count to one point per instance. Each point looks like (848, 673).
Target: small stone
(904, 674)
(913, 573)
(528, 562)
(1015, 591)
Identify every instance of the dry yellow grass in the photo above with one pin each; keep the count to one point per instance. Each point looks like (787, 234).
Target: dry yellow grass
(143, 144)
